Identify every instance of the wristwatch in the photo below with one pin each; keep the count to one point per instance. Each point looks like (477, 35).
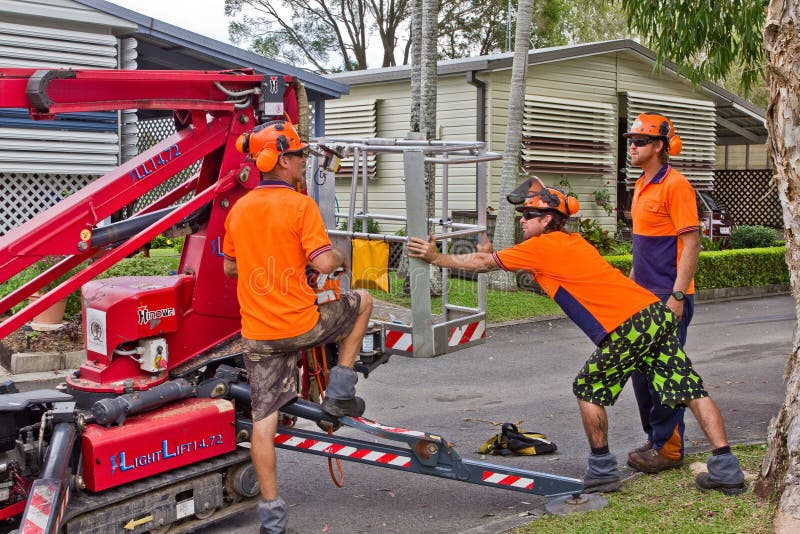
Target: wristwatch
(678, 295)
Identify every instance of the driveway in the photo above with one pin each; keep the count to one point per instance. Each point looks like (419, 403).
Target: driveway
(523, 374)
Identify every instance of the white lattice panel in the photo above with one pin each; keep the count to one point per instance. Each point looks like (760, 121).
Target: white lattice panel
(24, 195)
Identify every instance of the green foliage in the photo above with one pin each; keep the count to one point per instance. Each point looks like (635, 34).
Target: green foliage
(620, 248)
(742, 268)
(623, 262)
(373, 226)
(706, 243)
(135, 266)
(26, 275)
(752, 237)
(161, 241)
(602, 198)
(729, 268)
(594, 234)
(750, 267)
(334, 36)
(706, 39)
(669, 502)
(500, 305)
(43, 265)
(139, 266)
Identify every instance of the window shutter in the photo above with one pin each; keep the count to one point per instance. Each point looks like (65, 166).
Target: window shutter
(352, 119)
(567, 136)
(695, 123)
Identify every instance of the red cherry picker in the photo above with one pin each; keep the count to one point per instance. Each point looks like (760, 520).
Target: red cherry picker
(147, 433)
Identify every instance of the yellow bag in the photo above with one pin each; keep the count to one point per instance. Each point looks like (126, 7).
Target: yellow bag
(370, 265)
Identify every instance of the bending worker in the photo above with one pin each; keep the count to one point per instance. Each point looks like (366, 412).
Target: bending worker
(271, 234)
(632, 328)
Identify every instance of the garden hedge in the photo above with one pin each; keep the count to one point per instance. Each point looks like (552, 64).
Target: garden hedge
(750, 267)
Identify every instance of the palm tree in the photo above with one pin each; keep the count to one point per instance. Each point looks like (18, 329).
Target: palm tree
(512, 171)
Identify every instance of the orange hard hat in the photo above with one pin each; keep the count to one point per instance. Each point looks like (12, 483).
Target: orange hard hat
(268, 141)
(550, 199)
(655, 125)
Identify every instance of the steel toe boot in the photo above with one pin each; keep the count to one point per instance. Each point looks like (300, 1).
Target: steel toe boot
(652, 461)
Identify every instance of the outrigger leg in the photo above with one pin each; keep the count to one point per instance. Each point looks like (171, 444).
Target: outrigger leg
(426, 454)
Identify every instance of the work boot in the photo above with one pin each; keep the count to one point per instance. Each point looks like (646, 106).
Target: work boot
(601, 475)
(644, 448)
(652, 461)
(340, 397)
(273, 515)
(724, 474)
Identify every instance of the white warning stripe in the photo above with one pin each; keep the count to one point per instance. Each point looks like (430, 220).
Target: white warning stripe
(466, 333)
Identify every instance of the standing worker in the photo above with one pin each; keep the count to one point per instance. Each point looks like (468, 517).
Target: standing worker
(666, 247)
(632, 328)
(272, 234)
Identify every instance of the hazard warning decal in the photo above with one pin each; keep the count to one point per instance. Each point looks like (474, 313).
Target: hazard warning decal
(466, 333)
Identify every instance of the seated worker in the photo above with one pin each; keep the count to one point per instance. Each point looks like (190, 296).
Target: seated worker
(632, 328)
(272, 234)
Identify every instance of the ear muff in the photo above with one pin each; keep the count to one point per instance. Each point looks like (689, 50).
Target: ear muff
(266, 160)
(243, 143)
(572, 205)
(675, 145)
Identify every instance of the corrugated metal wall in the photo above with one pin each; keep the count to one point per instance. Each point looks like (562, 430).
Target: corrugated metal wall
(45, 160)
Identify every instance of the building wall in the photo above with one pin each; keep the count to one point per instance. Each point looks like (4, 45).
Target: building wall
(456, 120)
(738, 157)
(601, 78)
(595, 78)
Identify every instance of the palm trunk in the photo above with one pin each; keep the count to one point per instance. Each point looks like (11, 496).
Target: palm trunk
(430, 33)
(512, 172)
(780, 471)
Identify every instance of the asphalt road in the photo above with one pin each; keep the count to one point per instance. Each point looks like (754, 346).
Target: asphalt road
(523, 374)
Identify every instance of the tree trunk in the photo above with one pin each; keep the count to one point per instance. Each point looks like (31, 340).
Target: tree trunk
(504, 226)
(430, 34)
(416, 64)
(780, 472)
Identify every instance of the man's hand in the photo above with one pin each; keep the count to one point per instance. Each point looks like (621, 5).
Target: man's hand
(676, 306)
(421, 249)
(484, 245)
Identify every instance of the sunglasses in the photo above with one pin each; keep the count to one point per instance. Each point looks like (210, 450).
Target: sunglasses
(298, 153)
(641, 141)
(528, 215)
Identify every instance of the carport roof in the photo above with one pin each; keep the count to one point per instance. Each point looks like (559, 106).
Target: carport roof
(162, 46)
(738, 121)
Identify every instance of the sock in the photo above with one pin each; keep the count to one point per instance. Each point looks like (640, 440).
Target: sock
(722, 450)
(604, 450)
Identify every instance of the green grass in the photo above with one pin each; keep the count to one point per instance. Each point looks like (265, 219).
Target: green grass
(168, 255)
(500, 305)
(669, 502)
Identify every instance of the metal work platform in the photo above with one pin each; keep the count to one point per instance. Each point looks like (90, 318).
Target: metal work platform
(458, 326)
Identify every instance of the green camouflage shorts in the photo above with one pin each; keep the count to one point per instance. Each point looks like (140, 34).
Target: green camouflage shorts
(647, 342)
(272, 364)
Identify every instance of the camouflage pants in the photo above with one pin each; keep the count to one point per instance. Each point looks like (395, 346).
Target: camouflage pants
(272, 364)
(646, 342)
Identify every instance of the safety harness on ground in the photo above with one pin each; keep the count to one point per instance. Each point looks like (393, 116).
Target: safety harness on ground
(513, 442)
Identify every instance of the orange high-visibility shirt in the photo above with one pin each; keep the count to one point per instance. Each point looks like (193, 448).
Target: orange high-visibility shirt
(662, 211)
(272, 233)
(596, 296)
